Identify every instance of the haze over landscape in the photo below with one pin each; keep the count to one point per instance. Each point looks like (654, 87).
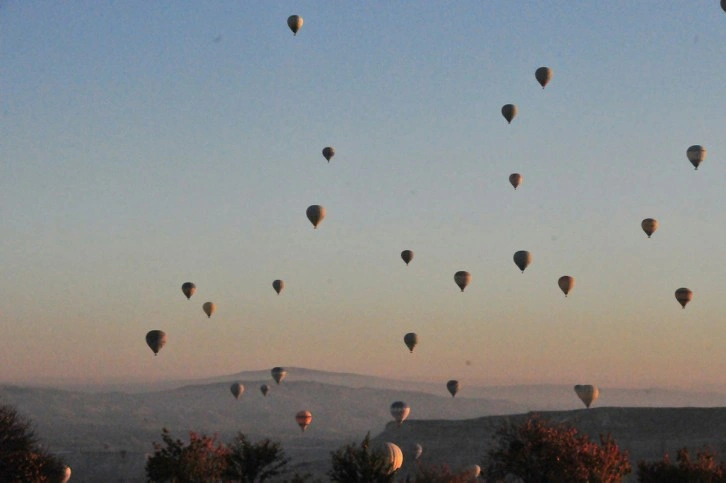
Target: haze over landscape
(145, 145)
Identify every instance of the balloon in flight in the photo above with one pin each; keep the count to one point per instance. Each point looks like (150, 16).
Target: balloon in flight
(543, 76)
(723, 5)
(155, 339)
(515, 179)
(278, 285)
(66, 474)
(587, 393)
(522, 259)
(407, 256)
(237, 389)
(295, 22)
(566, 284)
(278, 374)
(684, 295)
(209, 308)
(392, 455)
(649, 225)
(303, 418)
(453, 387)
(472, 472)
(462, 279)
(328, 152)
(410, 339)
(315, 214)
(264, 389)
(188, 288)
(509, 111)
(696, 154)
(417, 451)
(400, 411)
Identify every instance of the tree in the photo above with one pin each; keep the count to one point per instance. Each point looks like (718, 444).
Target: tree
(202, 460)
(360, 464)
(249, 463)
(705, 469)
(21, 456)
(439, 474)
(537, 451)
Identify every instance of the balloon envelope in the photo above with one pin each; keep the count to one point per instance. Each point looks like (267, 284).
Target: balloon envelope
(649, 225)
(407, 256)
(515, 179)
(410, 339)
(509, 111)
(278, 285)
(522, 259)
(303, 418)
(696, 154)
(472, 471)
(400, 411)
(188, 288)
(684, 295)
(417, 451)
(328, 152)
(264, 389)
(393, 456)
(587, 393)
(237, 389)
(453, 387)
(315, 214)
(66, 474)
(209, 308)
(462, 279)
(278, 374)
(295, 22)
(566, 284)
(543, 76)
(156, 339)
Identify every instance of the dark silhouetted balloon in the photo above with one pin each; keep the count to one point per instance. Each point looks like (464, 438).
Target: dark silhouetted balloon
(462, 279)
(566, 284)
(295, 22)
(696, 154)
(209, 308)
(649, 225)
(315, 214)
(237, 389)
(509, 111)
(328, 152)
(264, 389)
(188, 288)
(543, 76)
(407, 256)
(587, 393)
(278, 285)
(453, 387)
(410, 340)
(400, 411)
(522, 259)
(515, 179)
(156, 339)
(684, 295)
(278, 374)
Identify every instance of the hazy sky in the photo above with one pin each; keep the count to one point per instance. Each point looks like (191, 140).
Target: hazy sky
(146, 144)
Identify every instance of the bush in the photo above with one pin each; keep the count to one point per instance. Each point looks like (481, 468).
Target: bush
(360, 464)
(537, 451)
(248, 462)
(705, 469)
(203, 459)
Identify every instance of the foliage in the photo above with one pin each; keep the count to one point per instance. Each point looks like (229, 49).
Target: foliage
(439, 474)
(203, 459)
(538, 451)
(21, 456)
(360, 464)
(249, 463)
(705, 469)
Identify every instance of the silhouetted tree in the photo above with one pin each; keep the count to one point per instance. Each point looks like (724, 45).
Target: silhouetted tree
(360, 464)
(202, 460)
(539, 452)
(705, 469)
(439, 474)
(21, 456)
(249, 463)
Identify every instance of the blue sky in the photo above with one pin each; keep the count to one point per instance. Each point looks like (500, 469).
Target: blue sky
(149, 144)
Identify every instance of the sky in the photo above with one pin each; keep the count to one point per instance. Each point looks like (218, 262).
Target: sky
(147, 144)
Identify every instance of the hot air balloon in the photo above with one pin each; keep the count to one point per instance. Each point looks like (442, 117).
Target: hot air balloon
(264, 389)
(303, 418)
(278, 285)
(188, 288)
(509, 111)
(399, 411)
(417, 451)
(723, 5)
(587, 393)
(566, 284)
(472, 472)
(237, 389)
(407, 256)
(410, 340)
(315, 214)
(295, 22)
(462, 279)
(156, 339)
(543, 76)
(515, 179)
(66, 474)
(453, 387)
(683, 295)
(328, 152)
(209, 308)
(393, 456)
(278, 374)
(649, 225)
(522, 259)
(696, 154)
